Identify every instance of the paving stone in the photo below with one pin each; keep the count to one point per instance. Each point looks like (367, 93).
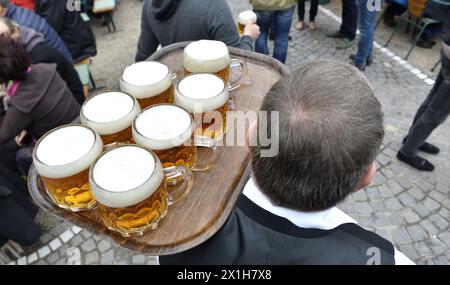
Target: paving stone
(88, 245)
(417, 233)
(406, 199)
(55, 244)
(429, 228)
(76, 240)
(107, 257)
(362, 207)
(400, 236)
(422, 210)
(52, 258)
(359, 196)
(104, 246)
(410, 216)
(86, 234)
(393, 204)
(66, 236)
(431, 204)
(439, 221)
(44, 251)
(138, 259)
(32, 258)
(92, 258)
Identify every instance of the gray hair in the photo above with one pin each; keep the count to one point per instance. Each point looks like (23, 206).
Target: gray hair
(330, 131)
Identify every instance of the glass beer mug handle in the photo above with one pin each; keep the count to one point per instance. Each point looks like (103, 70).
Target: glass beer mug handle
(236, 63)
(201, 141)
(179, 180)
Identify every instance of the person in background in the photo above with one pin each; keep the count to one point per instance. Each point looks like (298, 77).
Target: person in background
(17, 212)
(38, 99)
(433, 111)
(281, 13)
(29, 19)
(366, 24)
(288, 211)
(394, 8)
(347, 31)
(169, 21)
(27, 4)
(312, 15)
(41, 52)
(76, 33)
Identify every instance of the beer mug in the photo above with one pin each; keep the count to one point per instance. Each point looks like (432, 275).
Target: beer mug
(205, 96)
(111, 115)
(128, 183)
(150, 82)
(245, 18)
(168, 130)
(208, 56)
(62, 158)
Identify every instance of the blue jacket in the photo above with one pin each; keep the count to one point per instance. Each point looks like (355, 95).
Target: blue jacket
(30, 19)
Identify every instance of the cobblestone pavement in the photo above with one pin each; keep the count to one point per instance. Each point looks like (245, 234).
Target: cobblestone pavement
(407, 207)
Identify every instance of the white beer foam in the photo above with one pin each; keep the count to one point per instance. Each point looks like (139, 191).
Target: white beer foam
(146, 79)
(110, 112)
(67, 151)
(201, 92)
(162, 127)
(125, 176)
(247, 17)
(206, 56)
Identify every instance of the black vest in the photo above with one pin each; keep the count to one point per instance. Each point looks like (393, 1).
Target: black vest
(253, 235)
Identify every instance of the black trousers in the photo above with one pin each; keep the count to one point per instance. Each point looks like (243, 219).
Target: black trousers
(349, 19)
(312, 10)
(433, 111)
(392, 10)
(17, 212)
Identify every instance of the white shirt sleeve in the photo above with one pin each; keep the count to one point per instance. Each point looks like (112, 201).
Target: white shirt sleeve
(401, 259)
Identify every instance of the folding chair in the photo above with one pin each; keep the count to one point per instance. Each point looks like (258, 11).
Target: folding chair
(106, 7)
(414, 17)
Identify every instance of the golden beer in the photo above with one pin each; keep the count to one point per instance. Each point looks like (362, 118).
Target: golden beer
(168, 130)
(137, 218)
(111, 115)
(129, 184)
(245, 18)
(207, 56)
(206, 97)
(62, 158)
(224, 73)
(241, 28)
(149, 82)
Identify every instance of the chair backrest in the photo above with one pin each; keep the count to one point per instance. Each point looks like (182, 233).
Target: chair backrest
(416, 7)
(101, 6)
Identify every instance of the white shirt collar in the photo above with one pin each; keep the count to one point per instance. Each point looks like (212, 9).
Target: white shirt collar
(324, 220)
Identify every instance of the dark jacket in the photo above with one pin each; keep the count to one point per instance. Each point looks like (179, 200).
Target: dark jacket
(41, 52)
(41, 103)
(253, 235)
(76, 34)
(17, 212)
(30, 19)
(171, 21)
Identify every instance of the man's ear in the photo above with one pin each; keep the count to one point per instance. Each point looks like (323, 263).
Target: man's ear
(368, 177)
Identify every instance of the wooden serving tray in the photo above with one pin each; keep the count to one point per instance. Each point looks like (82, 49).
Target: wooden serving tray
(205, 209)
